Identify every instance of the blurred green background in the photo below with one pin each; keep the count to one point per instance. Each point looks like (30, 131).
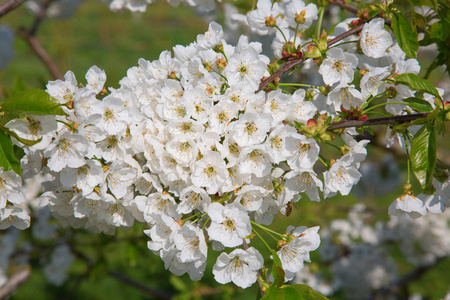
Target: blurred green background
(114, 42)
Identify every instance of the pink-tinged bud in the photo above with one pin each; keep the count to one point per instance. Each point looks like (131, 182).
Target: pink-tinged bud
(447, 104)
(299, 54)
(355, 23)
(285, 54)
(311, 123)
(363, 117)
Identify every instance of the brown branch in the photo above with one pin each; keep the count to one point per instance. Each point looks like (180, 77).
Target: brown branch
(140, 286)
(344, 6)
(376, 121)
(34, 43)
(348, 33)
(7, 6)
(14, 282)
(294, 62)
(30, 37)
(39, 17)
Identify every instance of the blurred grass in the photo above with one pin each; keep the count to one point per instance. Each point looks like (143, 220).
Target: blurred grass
(96, 36)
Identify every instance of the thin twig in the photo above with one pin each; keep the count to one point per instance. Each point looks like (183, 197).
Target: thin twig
(14, 282)
(140, 286)
(7, 6)
(30, 37)
(344, 6)
(39, 17)
(34, 43)
(376, 121)
(294, 62)
(348, 33)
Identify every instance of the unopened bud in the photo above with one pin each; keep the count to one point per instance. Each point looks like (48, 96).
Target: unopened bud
(311, 123)
(363, 117)
(285, 54)
(364, 15)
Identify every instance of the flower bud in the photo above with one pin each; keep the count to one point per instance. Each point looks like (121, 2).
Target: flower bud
(311, 123)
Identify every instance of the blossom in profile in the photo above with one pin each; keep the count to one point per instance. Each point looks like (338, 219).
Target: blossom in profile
(296, 251)
(240, 267)
(230, 224)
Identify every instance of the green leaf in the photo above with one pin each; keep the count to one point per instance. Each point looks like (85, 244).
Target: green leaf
(301, 291)
(406, 36)
(36, 102)
(406, 7)
(430, 3)
(423, 154)
(273, 293)
(7, 158)
(420, 21)
(417, 84)
(277, 270)
(419, 104)
(18, 152)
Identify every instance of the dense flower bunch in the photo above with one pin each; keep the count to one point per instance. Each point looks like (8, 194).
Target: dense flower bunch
(191, 146)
